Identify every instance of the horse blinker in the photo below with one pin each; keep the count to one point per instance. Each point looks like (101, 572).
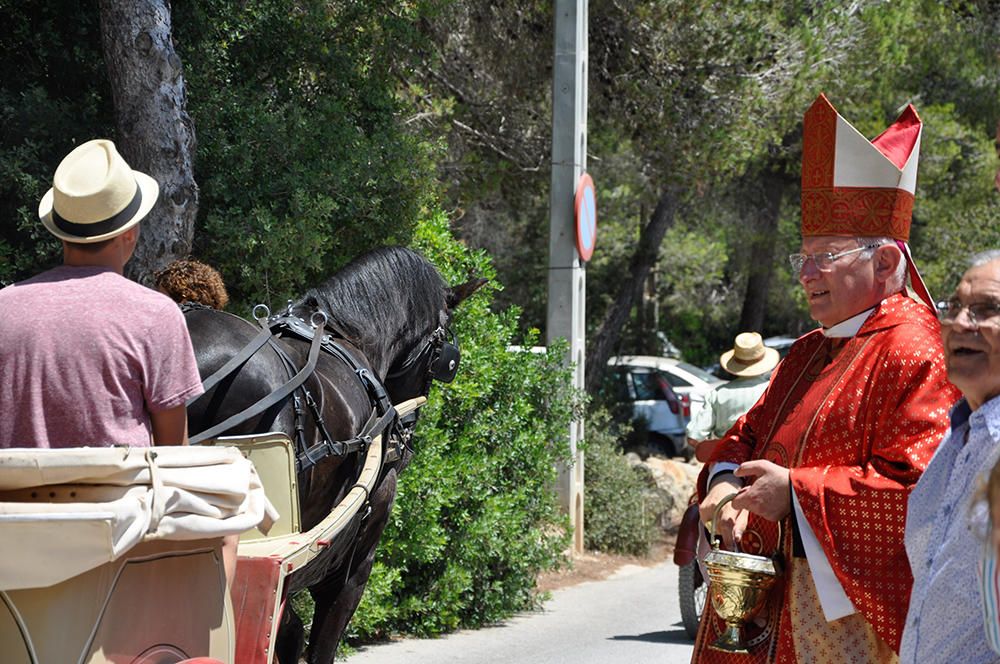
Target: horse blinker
(445, 364)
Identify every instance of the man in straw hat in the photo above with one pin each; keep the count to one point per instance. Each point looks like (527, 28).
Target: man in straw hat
(89, 358)
(850, 419)
(750, 363)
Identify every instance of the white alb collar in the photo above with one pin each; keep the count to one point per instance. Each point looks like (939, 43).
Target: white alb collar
(848, 328)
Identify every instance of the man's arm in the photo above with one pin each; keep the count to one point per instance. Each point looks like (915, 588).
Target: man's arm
(718, 481)
(700, 426)
(170, 426)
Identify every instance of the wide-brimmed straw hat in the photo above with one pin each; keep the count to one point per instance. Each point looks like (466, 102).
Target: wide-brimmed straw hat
(749, 356)
(95, 195)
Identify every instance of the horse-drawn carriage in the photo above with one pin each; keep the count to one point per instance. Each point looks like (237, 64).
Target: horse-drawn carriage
(70, 596)
(115, 554)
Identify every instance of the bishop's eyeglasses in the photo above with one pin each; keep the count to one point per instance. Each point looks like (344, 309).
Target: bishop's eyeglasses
(823, 261)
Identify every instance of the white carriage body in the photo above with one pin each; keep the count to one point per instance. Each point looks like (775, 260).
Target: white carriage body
(81, 583)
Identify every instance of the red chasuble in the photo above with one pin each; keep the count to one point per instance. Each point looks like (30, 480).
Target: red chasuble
(857, 428)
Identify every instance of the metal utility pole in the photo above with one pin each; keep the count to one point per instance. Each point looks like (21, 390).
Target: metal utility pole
(567, 273)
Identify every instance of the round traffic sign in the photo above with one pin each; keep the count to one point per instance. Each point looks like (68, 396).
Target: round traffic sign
(586, 217)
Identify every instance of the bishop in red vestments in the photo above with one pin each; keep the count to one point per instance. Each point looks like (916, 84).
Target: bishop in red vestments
(823, 464)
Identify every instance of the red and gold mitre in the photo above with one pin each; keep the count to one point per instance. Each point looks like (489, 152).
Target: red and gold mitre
(853, 186)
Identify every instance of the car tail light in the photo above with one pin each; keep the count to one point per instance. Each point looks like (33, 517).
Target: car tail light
(672, 401)
(686, 404)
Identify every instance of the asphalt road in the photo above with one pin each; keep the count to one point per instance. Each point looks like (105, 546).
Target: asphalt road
(630, 618)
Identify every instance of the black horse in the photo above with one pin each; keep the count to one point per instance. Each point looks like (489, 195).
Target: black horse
(389, 310)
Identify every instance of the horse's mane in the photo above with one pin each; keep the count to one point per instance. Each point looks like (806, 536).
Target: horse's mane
(379, 300)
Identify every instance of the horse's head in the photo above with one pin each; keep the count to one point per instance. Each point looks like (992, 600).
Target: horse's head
(436, 356)
(395, 307)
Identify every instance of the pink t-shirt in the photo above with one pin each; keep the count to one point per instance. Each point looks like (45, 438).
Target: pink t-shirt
(85, 356)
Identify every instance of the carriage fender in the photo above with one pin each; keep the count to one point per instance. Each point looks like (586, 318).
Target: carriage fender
(687, 535)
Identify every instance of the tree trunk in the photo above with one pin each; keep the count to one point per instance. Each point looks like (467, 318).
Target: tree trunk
(155, 132)
(762, 237)
(630, 293)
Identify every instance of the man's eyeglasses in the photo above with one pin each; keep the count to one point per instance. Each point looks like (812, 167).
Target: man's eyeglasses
(823, 261)
(978, 312)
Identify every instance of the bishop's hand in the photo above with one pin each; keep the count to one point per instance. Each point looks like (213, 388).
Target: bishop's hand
(767, 491)
(731, 522)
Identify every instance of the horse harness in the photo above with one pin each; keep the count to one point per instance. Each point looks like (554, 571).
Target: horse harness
(383, 416)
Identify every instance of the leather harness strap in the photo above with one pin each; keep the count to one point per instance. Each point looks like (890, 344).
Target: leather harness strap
(236, 361)
(382, 417)
(271, 399)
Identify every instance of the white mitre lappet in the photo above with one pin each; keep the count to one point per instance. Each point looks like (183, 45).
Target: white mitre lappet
(859, 188)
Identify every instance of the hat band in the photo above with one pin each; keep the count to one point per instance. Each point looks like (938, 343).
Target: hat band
(96, 228)
(749, 360)
(860, 211)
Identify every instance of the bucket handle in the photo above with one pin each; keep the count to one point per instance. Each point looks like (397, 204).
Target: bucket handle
(713, 537)
(715, 518)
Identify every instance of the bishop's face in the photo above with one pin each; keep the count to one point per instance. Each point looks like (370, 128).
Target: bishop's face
(972, 347)
(845, 288)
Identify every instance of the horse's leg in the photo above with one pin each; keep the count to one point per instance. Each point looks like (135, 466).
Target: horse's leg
(337, 599)
(290, 638)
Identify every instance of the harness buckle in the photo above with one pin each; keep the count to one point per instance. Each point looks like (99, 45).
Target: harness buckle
(318, 318)
(261, 317)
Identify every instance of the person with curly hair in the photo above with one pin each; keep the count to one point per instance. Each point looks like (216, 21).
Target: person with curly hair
(188, 280)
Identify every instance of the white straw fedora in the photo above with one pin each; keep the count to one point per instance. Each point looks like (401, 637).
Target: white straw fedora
(95, 195)
(749, 356)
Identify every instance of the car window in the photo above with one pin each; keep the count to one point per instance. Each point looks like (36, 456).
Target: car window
(697, 372)
(675, 380)
(619, 385)
(646, 386)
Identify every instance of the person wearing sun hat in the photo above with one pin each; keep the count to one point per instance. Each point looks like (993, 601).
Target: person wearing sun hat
(88, 357)
(750, 363)
(823, 463)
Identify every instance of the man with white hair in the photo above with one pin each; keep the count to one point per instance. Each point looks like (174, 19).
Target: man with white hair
(947, 526)
(822, 465)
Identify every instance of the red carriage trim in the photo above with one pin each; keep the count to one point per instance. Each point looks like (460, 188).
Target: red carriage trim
(856, 211)
(257, 591)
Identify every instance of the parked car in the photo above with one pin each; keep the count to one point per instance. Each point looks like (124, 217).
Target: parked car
(645, 397)
(781, 344)
(689, 382)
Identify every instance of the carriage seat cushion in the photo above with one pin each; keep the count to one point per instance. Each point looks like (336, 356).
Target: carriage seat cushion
(65, 511)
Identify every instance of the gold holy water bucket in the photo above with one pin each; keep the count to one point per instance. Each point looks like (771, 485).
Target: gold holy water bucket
(738, 585)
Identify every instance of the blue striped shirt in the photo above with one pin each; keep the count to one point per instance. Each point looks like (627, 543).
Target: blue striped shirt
(945, 531)
(990, 589)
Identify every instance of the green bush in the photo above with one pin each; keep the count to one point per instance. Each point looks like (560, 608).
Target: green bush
(476, 518)
(620, 513)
